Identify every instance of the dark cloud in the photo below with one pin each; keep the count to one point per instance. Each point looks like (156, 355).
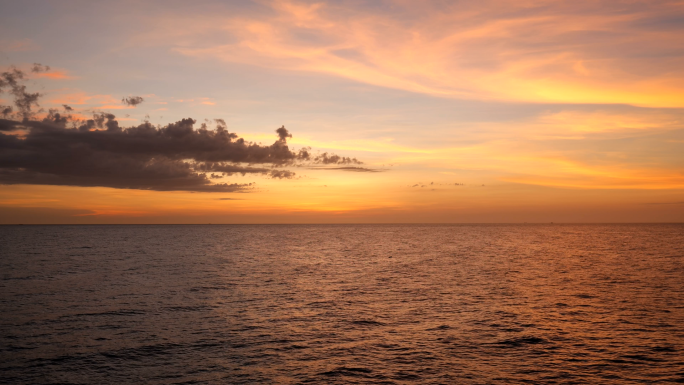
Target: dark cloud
(59, 150)
(67, 108)
(324, 158)
(283, 134)
(101, 153)
(132, 100)
(37, 67)
(11, 82)
(280, 174)
(232, 168)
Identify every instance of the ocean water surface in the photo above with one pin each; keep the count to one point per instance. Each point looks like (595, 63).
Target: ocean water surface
(342, 304)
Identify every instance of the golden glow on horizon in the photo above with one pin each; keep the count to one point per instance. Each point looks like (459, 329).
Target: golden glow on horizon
(591, 97)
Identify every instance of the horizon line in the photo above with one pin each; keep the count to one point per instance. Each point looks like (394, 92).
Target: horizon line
(341, 224)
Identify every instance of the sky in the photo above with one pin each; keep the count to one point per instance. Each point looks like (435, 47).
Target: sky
(382, 111)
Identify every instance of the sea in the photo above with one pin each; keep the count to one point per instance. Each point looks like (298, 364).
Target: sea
(342, 304)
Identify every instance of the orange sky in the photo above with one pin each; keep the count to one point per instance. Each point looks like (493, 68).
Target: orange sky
(487, 111)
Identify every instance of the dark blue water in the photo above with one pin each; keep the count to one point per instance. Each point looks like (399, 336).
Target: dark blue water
(390, 304)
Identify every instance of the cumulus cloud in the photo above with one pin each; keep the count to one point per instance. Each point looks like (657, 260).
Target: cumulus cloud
(59, 150)
(132, 100)
(101, 153)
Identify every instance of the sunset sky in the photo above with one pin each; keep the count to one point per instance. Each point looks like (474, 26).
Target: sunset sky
(437, 111)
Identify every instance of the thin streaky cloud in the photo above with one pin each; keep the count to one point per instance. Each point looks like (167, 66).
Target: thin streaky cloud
(558, 52)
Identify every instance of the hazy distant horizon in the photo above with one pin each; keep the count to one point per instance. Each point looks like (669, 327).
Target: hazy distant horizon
(342, 224)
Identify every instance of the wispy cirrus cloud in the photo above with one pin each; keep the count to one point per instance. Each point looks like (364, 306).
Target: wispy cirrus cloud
(18, 45)
(54, 75)
(539, 51)
(81, 98)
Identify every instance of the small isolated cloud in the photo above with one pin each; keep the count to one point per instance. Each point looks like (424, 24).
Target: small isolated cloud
(326, 158)
(37, 68)
(281, 174)
(438, 184)
(209, 103)
(132, 100)
(348, 168)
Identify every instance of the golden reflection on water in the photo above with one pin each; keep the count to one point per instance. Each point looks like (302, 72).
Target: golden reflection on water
(344, 303)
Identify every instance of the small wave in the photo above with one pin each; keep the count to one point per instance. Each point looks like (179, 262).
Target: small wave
(367, 323)
(347, 371)
(224, 286)
(640, 357)
(516, 342)
(25, 278)
(320, 304)
(666, 349)
(122, 312)
(187, 308)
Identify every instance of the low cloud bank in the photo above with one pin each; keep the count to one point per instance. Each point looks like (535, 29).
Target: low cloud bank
(59, 150)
